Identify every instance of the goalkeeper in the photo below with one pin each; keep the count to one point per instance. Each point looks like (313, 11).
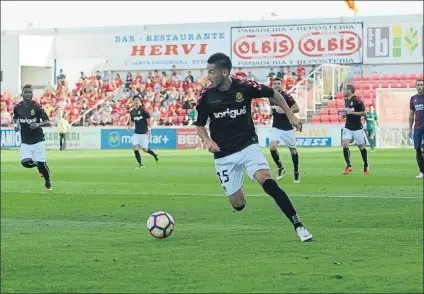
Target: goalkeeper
(372, 122)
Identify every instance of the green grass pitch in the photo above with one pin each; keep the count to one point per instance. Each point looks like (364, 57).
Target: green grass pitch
(89, 234)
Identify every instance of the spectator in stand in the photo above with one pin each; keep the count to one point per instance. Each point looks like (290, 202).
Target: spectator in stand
(289, 81)
(271, 74)
(107, 107)
(300, 70)
(172, 95)
(48, 108)
(187, 121)
(117, 80)
(49, 87)
(83, 76)
(75, 117)
(202, 77)
(105, 117)
(174, 108)
(250, 76)
(241, 75)
(98, 76)
(96, 118)
(138, 78)
(170, 122)
(106, 78)
(5, 116)
(300, 77)
(174, 77)
(189, 77)
(282, 72)
(128, 81)
(186, 103)
(156, 113)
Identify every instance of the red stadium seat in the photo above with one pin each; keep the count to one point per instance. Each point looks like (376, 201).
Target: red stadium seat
(412, 84)
(315, 119)
(331, 104)
(384, 85)
(403, 77)
(384, 77)
(366, 86)
(325, 119)
(394, 77)
(367, 78)
(334, 119)
(367, 102)
(339, 95)
(403, 84)
(323, 111)
(412, 76)
(420, 76)
(394, 84)
(366, 95)
(332, 111)
(340, 104)
(375, 85)
(357, 78)
(375, 77)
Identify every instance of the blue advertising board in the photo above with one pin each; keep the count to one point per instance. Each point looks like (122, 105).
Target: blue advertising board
(310, 142)
(10, 138)
(121, 139)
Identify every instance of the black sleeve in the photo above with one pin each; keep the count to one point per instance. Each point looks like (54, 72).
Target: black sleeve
(202, 112)
(41, 114)
(131, 116)
(15, 113)
(257, 90)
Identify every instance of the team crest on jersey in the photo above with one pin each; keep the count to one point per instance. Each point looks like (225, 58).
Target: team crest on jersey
(32, 112)
(239, 97)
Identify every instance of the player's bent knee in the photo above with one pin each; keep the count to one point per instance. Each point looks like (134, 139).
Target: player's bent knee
(262, 175)
(293, 151)
(135, 148)
(273, 146)
(145, 149)
(362, 147)
(27, 163)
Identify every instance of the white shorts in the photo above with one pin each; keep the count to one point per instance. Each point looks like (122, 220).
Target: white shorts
(37, 152)
(140, 139)
(357, 135)
(286, 137)
(229, 169)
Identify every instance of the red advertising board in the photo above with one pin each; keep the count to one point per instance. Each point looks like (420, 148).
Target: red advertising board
(187, 138)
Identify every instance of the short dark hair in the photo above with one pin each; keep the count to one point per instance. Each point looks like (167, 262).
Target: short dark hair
(221, 61)
(278, 79)
(351, 88)
(27, 87)
(137, 97)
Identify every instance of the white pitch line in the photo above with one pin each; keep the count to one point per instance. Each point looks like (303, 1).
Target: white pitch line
(87, 193)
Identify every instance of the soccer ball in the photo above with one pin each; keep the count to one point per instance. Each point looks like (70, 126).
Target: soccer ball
(160, 224)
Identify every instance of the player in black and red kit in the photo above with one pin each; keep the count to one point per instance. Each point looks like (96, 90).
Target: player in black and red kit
(282, 131)
(354, 110)
(233, 140)
(29, 117)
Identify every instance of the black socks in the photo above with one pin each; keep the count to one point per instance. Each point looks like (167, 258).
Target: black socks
(137, 156)
(420, 160)
(150, 151)
(346, 153)
(276, 157)
(271, 188)
(364, 154)
(44, 169)
(295, 159)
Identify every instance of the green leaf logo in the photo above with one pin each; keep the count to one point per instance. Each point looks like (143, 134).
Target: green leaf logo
(411, 39)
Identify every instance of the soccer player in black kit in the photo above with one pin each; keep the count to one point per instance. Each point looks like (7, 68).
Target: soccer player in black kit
(354, 109)
(141, 119)
(233, 140)
(29, 117)
(282, 131)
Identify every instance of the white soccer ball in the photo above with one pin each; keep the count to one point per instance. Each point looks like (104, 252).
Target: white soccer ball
(160, 224)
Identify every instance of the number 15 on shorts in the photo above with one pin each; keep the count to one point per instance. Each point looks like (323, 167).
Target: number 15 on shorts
(223, 176)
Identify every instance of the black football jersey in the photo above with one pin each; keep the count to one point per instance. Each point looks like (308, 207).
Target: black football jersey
(231, 124)
(140, 118)
(353, 122)
(280, 120)
(33, 113)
